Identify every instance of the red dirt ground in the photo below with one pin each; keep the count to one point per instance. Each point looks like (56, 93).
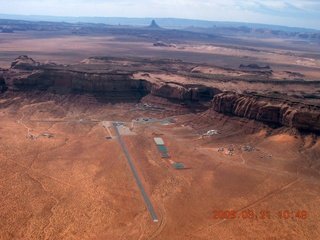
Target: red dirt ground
(78, 185)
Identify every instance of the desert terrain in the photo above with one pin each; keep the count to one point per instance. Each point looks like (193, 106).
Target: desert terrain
(241, 115)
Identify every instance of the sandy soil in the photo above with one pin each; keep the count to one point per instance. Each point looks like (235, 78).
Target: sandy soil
(63, 47)
(60, 178)
(68, 181)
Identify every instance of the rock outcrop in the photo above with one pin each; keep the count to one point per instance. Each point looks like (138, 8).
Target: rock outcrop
(77, 81)
(25, 63)
(274, 111)
(162, 44)
(112, 82)
(153, 25)
(177, 91)
(254, 66)
(3, 86)
(119, 83)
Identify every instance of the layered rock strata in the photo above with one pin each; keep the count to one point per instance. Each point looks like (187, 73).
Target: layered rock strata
(3, 86)
(273, 108)
(268, 109)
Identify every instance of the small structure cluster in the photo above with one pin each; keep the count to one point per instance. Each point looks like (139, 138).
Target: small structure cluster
(162, 148)
(46, 135)
(144, 120)
(248, 148)
(230, 151)
(168, 121)
(211, 132)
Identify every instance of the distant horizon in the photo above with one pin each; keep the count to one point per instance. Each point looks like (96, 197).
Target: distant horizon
(291, 13)
(147, 20)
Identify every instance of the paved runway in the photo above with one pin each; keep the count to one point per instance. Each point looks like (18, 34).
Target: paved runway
(143, 192)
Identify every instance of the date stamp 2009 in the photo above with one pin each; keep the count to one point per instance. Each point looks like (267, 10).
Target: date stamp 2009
(260, 215)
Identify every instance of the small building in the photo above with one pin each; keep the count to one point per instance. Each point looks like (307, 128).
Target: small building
(211, 132)
(159, 141)
(178, 165)
(165, 155)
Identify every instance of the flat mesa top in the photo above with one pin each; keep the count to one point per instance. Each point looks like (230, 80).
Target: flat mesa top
(159, 141)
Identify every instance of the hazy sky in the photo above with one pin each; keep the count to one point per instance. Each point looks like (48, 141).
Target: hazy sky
(300, 13)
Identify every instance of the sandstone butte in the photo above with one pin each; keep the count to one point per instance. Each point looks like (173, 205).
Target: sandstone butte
(274, 109)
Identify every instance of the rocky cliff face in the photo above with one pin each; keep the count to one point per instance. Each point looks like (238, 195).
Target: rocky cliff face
(179, 91)
(278, 112)
(77, 81)
(170, 90)
(3, 86)
(25, 63)
(49, 79)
